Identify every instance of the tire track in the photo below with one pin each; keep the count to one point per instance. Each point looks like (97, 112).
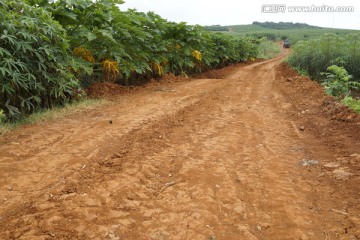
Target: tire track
(213, 159)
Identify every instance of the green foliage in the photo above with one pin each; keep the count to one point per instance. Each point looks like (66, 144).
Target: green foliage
(300, 71)
(142, 44)
(283, 25)
(2, 116)
(48, 47)
(34, 60)
(352, 103)
(337, 82)
(268, 49)
(216, 28)
(315, 55)
(295, 32)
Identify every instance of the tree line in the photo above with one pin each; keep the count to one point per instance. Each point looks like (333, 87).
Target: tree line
(50, 49)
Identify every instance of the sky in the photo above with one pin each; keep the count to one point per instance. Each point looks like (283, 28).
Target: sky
(236, 12)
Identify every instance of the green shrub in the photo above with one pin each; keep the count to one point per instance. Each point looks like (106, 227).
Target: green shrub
(34, 60)
(47, 46)
(337, 82)
(315, 55)
(268, 49)
(141, 45)
(352, 103)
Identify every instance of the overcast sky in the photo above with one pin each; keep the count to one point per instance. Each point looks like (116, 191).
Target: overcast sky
(233, 12)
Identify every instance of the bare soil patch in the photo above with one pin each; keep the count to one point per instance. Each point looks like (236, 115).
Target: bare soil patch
(252, 151)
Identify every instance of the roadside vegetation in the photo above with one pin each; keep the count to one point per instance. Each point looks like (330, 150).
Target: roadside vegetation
(330, 56)
(334, 61)
(268, 49)
(51, 49)
(352, 103)
(316, 55)
(53, 114)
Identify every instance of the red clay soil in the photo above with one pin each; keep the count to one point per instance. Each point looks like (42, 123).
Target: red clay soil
(260, 153)
(110, 90)
(223, 72)
(105, 89)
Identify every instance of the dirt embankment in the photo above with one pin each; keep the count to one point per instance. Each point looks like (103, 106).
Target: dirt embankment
(259, 153)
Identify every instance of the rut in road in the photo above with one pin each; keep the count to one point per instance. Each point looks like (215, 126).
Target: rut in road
(208, 159)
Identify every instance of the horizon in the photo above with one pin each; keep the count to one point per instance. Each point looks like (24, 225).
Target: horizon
(308, 25)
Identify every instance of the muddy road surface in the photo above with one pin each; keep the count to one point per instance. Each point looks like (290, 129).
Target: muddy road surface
(260, 153)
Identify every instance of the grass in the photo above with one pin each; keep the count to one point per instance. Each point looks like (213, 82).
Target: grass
(352, 103)
(268, 49)
(51, 114)
(294, 35)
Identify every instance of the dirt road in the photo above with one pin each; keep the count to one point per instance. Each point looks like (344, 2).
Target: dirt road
(259, 154)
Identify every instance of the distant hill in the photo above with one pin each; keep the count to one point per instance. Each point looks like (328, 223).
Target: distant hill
(284, 25)
(278, 31)
(217, 28)
(271, 25)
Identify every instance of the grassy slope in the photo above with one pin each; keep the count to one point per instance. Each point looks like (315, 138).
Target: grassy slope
(294, 34)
